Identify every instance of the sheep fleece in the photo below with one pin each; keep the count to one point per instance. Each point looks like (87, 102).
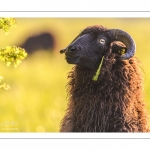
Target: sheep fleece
(115, 103)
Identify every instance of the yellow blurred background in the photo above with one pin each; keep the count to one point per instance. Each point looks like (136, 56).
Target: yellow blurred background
(37, 99)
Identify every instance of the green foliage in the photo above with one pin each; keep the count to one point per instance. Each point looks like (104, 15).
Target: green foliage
(7, 23)
(10, 54)
(37, 91)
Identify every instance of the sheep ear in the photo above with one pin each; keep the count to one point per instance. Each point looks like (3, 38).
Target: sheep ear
(119, 48)
(124, 37)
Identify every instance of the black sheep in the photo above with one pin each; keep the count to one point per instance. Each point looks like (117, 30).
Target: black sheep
(43, 41)
(106, 84)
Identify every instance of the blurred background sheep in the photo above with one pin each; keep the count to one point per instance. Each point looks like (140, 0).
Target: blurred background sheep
(42, 41)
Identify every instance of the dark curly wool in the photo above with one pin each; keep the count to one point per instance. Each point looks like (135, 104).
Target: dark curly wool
(113, 103)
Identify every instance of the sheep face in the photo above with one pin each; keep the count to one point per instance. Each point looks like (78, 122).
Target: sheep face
(87, 50)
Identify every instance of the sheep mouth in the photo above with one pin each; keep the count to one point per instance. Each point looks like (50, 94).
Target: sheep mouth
(72, 59)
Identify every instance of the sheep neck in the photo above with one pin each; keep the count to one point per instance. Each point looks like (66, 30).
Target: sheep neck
(108, 104)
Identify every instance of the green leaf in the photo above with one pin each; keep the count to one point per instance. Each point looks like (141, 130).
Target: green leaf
(7, 23)
(12, 55)
(95, 77)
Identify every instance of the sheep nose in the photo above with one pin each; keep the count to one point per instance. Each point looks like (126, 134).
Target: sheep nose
(71, 48)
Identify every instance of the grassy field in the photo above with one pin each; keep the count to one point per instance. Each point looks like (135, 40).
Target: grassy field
(37, 100)
(37, 97)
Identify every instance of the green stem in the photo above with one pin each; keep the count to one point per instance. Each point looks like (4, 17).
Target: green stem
(95, 77)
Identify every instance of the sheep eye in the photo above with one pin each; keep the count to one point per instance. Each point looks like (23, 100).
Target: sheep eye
(102, 41)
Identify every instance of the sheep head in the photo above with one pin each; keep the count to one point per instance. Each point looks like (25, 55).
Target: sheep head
(88, 48)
